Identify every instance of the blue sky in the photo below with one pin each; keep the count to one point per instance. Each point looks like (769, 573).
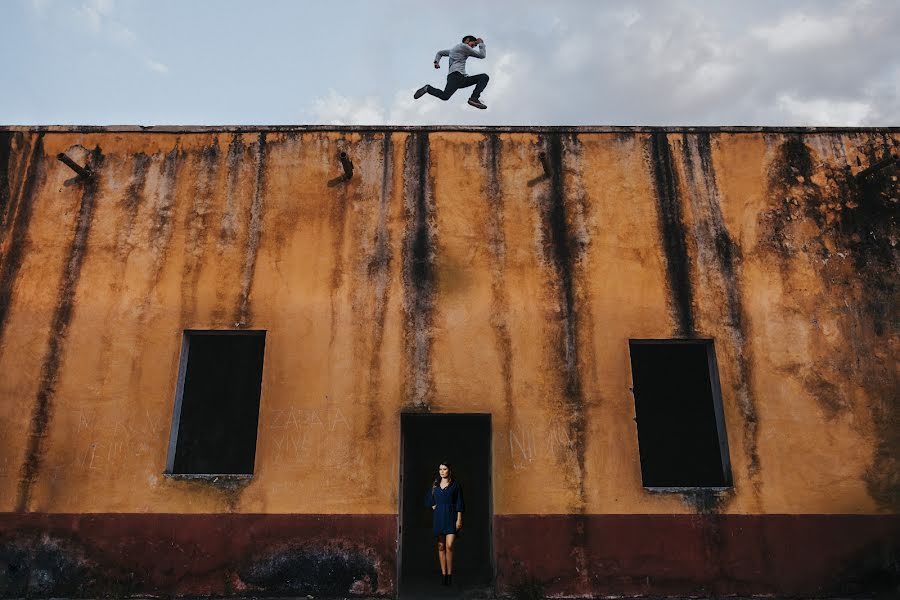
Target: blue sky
(647, 62)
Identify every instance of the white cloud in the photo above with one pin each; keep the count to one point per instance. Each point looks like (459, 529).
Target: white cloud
(823, 111)
(40, 6)
(121, 34)
(335, 109)
(98, 18)
(804, 32)
(89, 17)
(156, 66)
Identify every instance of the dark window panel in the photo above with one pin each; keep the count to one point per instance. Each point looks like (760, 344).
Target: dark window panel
(678, 410)
(219, 403)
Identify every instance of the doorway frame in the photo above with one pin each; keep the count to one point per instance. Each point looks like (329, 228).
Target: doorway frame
(490, 487)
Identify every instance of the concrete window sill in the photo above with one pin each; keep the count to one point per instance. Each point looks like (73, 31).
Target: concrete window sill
(209, 476)
(681, 490)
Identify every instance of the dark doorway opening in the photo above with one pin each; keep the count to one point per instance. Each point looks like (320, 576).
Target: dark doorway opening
(465, 441)
(217, 403)
(678, 409)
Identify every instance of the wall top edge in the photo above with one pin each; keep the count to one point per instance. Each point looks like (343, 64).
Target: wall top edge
(182, 129)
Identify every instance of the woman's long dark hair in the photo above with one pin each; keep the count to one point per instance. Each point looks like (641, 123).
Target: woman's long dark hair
(437, 479)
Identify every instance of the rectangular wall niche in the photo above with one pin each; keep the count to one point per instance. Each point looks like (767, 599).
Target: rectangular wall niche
(678, 405)
(217, 403)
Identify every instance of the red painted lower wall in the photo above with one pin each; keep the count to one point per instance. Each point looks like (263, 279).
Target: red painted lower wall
(93, 555)
(637, 555)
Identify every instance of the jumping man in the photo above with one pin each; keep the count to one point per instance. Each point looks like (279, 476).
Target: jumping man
(457, 77)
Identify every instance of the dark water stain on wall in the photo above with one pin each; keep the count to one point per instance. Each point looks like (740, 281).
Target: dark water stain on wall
(378, 269)
(161, 221)
(197, 224)
(672, 232)
(338, 221)
(16, 154)
(496, 238)
(719, 257)
(20, 151)
(854, 223)
(159, 239)
(869, 232)
(226, 489)
(131, 202)
(44, 566)
(560, 252)
(331, 570)
(62, 316)
(418, 269)
(129, 205)
(243, 313)
(21, 206)
(578, 217)
(706, 501)
(6, 141)
(228, 226)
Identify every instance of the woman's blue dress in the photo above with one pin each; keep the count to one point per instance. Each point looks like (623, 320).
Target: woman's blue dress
(448, 501)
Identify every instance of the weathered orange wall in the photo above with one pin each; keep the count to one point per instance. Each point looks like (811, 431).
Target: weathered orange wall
(450, 274)
(790, 272)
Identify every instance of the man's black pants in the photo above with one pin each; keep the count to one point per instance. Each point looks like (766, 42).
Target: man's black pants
(457, 80)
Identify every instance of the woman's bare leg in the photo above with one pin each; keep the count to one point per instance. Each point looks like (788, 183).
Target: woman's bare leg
(449, 544)
(442, 555)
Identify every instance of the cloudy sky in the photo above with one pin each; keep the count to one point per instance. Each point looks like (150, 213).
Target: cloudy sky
(567, 62)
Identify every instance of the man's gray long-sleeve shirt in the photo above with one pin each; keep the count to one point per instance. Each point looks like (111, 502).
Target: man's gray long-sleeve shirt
(458, 55)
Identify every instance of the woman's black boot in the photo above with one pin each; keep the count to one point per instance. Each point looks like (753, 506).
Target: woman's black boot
(450, 579)
(444, 580)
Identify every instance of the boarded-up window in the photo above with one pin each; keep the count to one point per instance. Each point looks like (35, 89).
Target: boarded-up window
(681, 431)
(217, 403)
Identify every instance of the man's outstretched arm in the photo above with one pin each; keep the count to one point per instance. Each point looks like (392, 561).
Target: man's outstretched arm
(437, 58)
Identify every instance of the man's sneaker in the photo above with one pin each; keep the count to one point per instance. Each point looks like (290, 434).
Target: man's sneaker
(476, 103)
(421, 91)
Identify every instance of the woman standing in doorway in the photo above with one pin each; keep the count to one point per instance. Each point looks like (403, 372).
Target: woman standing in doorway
(446, 501)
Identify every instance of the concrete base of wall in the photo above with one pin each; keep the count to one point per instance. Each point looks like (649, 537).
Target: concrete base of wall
(91, 555)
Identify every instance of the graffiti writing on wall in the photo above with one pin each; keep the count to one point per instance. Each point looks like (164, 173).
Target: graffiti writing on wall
(528, 443)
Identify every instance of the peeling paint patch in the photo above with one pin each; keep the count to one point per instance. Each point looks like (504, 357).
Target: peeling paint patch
(242, 313)
(334, 569)
(62, 316)
(719, 259)
(672, 232)
(418, 269)
(14, 248)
